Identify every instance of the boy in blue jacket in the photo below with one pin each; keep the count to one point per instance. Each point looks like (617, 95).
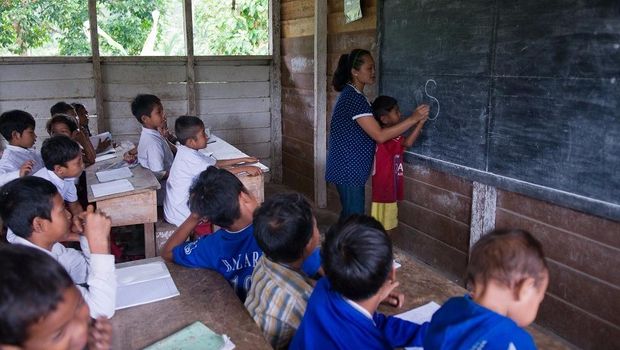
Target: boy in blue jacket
(341, 312)
(509, 276)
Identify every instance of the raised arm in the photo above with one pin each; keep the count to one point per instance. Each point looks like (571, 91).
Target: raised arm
(179, 236)
(380, 135)
(414, 134)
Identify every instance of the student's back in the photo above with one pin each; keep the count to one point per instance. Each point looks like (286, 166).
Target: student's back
(341, 312)
(508, 277)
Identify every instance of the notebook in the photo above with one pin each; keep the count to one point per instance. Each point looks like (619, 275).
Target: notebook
(194, 336)
(420, 315)
(114, 174)
(143, 284)
(112, 187)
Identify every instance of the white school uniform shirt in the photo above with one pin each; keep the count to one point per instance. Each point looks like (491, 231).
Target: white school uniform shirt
(95, 270)
(153, 151)
(187, 165)
(65, 186)
(13, 158)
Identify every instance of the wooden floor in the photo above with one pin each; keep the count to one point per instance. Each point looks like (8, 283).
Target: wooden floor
(421, 283)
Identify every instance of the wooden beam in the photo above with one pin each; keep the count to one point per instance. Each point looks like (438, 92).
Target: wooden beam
(190, 64)
(275, 92)
(102, 120)
(320, 101)
(483, 205)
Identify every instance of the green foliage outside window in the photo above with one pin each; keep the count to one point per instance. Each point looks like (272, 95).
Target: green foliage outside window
(132, 27)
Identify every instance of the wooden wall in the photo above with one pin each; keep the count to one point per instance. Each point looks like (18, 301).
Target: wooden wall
(297, 80)
(39, 85)
(232, 95)
(582, 303)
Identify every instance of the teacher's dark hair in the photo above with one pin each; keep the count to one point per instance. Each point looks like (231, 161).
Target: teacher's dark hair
(342, 75)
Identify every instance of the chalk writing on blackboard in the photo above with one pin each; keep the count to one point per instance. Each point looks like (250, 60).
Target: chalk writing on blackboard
(432, 97)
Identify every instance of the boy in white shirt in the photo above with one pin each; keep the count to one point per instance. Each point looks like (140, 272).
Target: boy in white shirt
(154, 152)
(18, 159)
(34, 210)
(189, 163)
(63, 165)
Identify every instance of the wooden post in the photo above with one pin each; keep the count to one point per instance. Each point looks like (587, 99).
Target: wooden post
(275, 92)
(483, 205)
(320, 101)
(190, 64)
(102, 119)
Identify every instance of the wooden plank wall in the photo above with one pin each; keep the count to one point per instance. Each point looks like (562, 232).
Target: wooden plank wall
(297, 80)
(35, 87)
(233, 99)
(297, 49)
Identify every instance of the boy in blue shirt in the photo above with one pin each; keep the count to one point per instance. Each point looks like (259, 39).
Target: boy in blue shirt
(232, 251)
(220, 197)
(508, 275)
(341, 313)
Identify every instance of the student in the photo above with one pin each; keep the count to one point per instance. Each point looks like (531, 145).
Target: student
(63, 124)
(82, 116)
(40, 308)
(34, 210)
(189, 162)
(18, 159)
(387, 177)
(508, 275)
(341, 312)
(232, 250)
(63, 165)
(286, 231)
(81, 136)
(154, 152)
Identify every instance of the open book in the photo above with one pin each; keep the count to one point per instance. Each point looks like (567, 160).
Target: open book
(419, 315)
(96, 139)
(143, 284)
(194, 336)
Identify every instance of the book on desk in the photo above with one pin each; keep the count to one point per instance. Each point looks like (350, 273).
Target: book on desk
(143, 284)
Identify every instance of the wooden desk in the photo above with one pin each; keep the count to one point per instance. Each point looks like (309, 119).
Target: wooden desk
(204, 296)
(129, 208)
(220, 149)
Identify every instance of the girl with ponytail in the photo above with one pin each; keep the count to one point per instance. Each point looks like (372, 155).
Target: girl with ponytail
(354, 132)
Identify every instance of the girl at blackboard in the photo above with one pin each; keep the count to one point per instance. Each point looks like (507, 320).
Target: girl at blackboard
(387, 177)
(354, 131)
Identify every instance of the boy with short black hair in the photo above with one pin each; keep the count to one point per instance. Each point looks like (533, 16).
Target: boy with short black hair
(341, 313)
(63, 107)
(62, 124)
(189, 163)
(508, 276)
(40, 308)
(34, 210)
(232, 251)
(286, 231)
(18, 159)
(154, 152)
(63, 165)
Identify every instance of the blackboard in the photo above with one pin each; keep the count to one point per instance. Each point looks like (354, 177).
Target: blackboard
(528, 92)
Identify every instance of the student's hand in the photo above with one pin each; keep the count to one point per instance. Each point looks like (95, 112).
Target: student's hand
(26, 168)
(420, 113)
(394, 299)
(252, 170)
(77, 225)
(103, 145)
(131, 155)
(97, 230)
(248, 160)
(100, 334)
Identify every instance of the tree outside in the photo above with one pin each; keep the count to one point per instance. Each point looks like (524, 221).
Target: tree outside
(132, 27)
